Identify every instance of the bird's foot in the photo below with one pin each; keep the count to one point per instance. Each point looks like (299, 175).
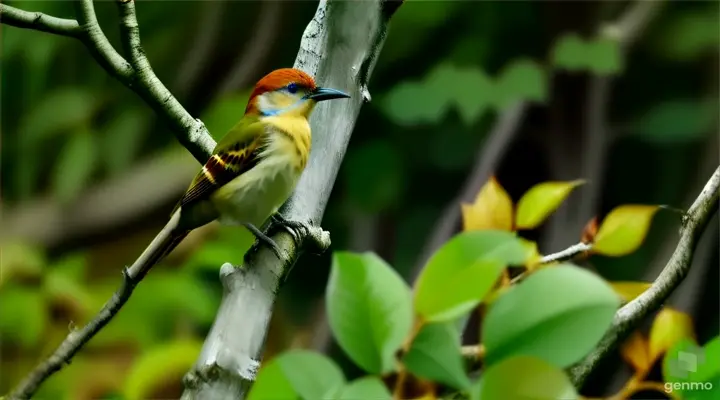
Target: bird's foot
(296, 229)
(303, 232)
(263, 238)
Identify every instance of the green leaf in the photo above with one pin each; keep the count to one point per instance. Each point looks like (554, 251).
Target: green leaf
(540, 201)
(297, 374)
(604, 56)
(459, 275)
(623, 230)
(75, 166)
(521, 378)
(374, 176)
(569, 52)
(677, 121)
(557, 314)
(600, 55)
(164, 365)
(409, 103)
(693, 372)
(368, 387)
(271, 384)
(523, 79)
(427, 101)
(435, 355)
(122, 139)
(369, 309)
(20, 260)
(690, 35)
(472, 92)
(23, 317)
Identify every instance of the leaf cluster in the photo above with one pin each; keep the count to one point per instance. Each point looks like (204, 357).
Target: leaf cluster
(547, 318)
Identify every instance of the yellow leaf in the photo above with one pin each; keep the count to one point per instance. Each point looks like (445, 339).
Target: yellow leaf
(629, 290)
(635, 352)
(492, 209)
(668, 328)
(623, 230)
(533, 257)
(540, 201)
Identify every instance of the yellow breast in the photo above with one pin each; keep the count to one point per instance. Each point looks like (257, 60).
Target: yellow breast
(258, 193)
(296, 129)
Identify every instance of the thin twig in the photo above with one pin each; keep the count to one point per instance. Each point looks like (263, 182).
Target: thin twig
(632, 314)
(566, 254)
(138, 76)
(78, 337)
(39, 21)
(189, 131)
(562, 255)
(195, 136)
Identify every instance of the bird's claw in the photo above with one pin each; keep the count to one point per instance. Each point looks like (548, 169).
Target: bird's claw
(262, 238)
(296, 229)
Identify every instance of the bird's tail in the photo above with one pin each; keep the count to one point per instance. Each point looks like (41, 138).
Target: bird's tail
(165, 241)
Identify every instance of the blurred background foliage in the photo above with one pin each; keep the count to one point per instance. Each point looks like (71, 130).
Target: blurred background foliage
(89, 174)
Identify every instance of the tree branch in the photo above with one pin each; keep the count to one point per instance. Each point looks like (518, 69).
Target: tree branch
(628, 317)
(339, 48)
(136, 75)
(194, 136)
(39, 21)
(566, 254)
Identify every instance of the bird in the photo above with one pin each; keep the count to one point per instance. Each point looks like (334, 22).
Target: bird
(253, 169)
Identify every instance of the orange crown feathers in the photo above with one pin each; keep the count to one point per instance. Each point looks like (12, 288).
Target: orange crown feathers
(277, 79)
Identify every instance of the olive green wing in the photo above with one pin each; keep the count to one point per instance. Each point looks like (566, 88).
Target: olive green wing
(237, 152)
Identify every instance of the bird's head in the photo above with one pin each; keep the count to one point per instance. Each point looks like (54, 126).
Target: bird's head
(288, 91)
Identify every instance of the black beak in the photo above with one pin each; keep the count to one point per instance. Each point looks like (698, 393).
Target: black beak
(320, 94)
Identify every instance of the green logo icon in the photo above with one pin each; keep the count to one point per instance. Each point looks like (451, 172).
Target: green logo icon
(686, 361)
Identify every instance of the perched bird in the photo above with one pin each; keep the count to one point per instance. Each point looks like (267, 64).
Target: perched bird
(254, 167)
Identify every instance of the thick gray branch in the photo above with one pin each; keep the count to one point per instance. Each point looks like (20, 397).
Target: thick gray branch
(632, 314)
(339, 48)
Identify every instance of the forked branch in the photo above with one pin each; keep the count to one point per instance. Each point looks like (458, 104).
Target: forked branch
(139, 77)
(136, 74)
(628, 317)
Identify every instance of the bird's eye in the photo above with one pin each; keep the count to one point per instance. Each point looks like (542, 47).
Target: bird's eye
(292, 88)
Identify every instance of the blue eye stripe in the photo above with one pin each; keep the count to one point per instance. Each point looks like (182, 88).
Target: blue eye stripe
(292, 88)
